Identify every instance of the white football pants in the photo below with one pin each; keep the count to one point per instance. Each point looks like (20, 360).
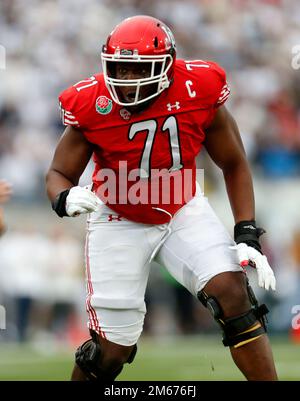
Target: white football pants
(194, 247)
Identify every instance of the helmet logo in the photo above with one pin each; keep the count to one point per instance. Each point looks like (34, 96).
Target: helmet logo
(126, 52)
(103, 105)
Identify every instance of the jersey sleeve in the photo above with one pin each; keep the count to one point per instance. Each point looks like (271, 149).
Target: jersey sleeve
(207, 84)
(221, 89)
(217, 90)
(68, 104)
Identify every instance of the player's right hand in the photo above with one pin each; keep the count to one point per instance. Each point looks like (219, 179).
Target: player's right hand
(81, 200)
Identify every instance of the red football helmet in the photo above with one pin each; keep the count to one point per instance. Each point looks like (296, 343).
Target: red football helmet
(139, 39)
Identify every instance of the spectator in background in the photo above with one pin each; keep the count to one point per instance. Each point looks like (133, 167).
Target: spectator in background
(39, 284)
(5, 192)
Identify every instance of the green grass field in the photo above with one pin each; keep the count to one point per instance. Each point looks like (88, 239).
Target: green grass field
(188, 358)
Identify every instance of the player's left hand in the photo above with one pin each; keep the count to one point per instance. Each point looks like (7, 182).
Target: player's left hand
(249, 253)
(248, 256)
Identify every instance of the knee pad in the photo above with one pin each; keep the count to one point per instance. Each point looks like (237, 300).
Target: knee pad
(88, 358)
(242, 329)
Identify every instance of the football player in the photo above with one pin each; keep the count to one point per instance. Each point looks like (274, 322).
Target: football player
(150, 112)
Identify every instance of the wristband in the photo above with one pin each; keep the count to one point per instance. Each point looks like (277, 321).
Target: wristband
(247, 232)
(59, 203)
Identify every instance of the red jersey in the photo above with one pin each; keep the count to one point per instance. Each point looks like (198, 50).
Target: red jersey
(155, 148)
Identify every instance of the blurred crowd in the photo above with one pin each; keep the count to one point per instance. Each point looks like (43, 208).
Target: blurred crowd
(42, 282)
(52, 44)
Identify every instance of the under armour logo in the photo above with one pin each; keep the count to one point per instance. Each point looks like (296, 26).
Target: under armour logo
(111, 217)
(171, 106)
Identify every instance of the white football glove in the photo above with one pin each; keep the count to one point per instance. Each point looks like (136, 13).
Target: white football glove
(81, 200)
(250, 256)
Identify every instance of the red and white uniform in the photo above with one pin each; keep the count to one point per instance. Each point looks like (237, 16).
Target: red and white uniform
(193, 245)
(166, 135)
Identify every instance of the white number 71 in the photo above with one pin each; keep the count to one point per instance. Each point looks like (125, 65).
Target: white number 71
(169, 124)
